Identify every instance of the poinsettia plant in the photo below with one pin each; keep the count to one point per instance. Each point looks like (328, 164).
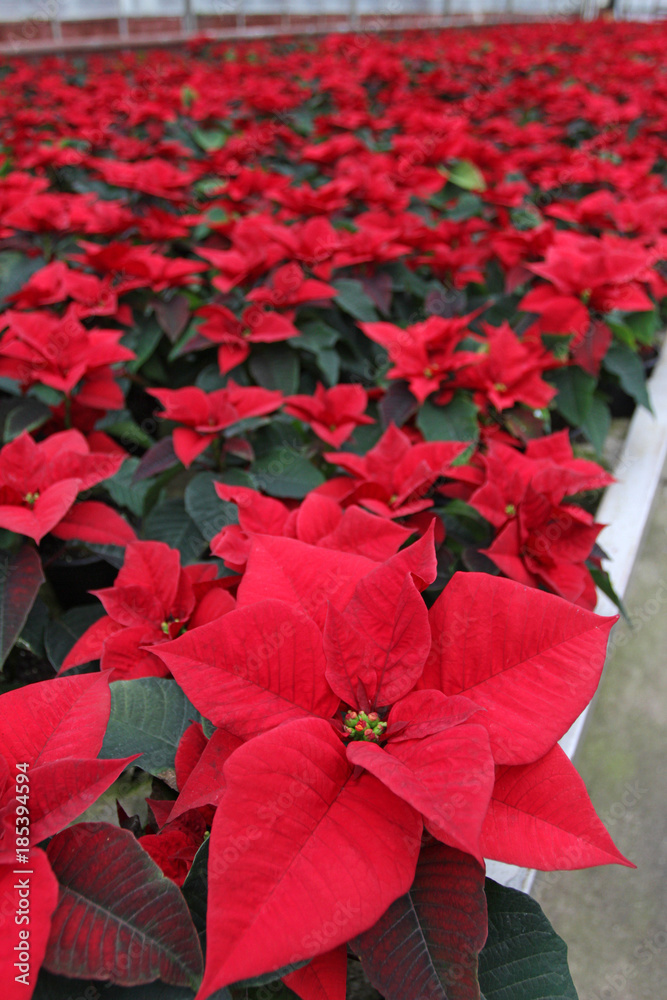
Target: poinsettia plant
(307, 362)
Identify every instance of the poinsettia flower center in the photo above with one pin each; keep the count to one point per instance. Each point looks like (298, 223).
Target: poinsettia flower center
(510, 510)
(30, 498)
(500, 387)
(167, 627)
(366, 726)
(586, 295)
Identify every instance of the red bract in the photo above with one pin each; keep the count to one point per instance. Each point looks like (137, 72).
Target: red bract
(394, 478)
(140, 266)
(407, 742)
(540, 539)
(508, 371)
(587, 277)
(425, 354)
(153, 599)
(39, 484)
(207, 414)
(40, 347)
(332, 413)
(57, 282)
(50, 736)
(235, 336)
(289, 288)
(318, 520)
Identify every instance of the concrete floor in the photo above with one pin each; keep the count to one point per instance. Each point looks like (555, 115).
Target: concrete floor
(614, 919)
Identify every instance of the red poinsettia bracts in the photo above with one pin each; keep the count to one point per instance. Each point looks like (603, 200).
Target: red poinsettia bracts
(332, 413)
(587, 278)
(318, 520)
(370, 711)
(540, 540)
(394, 478)
(206, 414)
(40, 482)
(50, 736)
(152, 600)
(426, 354)
(508, 371)
(289, 287)
(41, 348)
(236, 336)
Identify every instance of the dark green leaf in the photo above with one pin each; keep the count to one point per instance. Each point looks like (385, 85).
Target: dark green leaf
(195, 890)
(170, 522)
(61, 634)
(457, 421)
(285, 473)
(623, 362)
(20, 579)
(597, 423)
(26, 416)
(205, 507)
(353, 300)
(275, 366)
(125, 491)
(142, 340)
(523, 959)
(32, 633)
(575, 393)
(148, 716)
(15, 269)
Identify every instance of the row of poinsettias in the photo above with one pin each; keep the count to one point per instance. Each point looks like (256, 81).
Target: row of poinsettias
(358, 736)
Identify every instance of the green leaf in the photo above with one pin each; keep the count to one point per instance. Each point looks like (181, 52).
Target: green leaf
(124, 491)
(457, 421)
(148, 716)
(205, 507)
(523, 959)
(466, 175)
(125, 429)
(318, 338)
(597, 423)
(353, 300)
(63, 632)
(15, 269)
(275, 366)
(20, 579)
(170, 522)
(195, 890)
(210, 140)
(32, 633)
(622, 361)
(29, 414)
(142, 340)
(575, 393)
(285, 473)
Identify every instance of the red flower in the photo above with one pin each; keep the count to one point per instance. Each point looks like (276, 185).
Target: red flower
(152, 600)
(393, 478)
(331, 413)
(39, 484)
(317, 520)
(426, 353)
(206, 414)
(290, 287)
(372, 724)
(540, 540)
(508, 371)
(236, 335)
(40, 348)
